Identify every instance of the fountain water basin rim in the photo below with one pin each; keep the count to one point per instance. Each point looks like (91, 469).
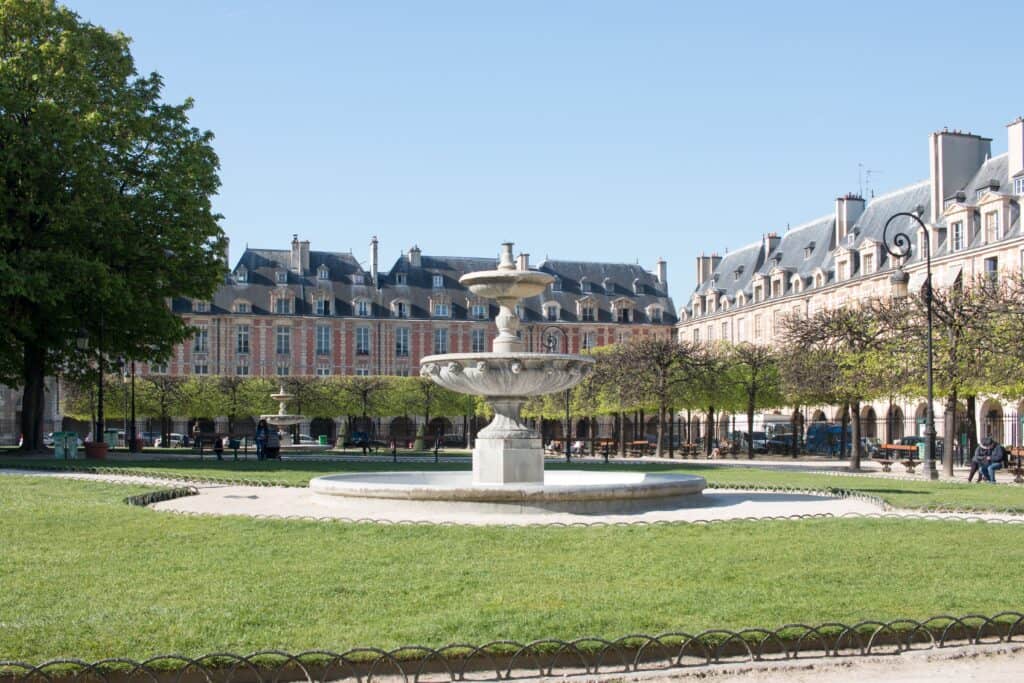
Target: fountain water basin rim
(506, 374)
(559, 486)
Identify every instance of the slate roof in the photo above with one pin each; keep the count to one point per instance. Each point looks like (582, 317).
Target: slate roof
(261, 267)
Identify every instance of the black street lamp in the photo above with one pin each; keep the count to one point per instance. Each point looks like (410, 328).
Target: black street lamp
(551, 344)
(901, 248)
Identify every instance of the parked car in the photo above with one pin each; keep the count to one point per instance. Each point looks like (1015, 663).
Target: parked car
(760, 442)
(175, 441)
(306, 439)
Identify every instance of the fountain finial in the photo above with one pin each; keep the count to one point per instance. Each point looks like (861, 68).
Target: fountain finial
(507, 262)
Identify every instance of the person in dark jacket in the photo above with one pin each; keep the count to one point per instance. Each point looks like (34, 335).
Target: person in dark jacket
(218, 447)
(990, 456)
(262, 431)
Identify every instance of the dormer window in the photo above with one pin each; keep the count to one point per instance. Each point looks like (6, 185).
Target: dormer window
(588, 313)
(242, 275)
(400, 309)
(438, 281)
(867, 264)
(808, 250)
(957, 230)
(551, 312)
(401, 279)
(283, 305)
(478, 311)
(362, 307)
(655, 314)
(519, 311)
(583, 284)
(322, 306)
(556, 285)
(736, 273)
(442, 310)
(607, 285)
(242, 307)
(201, 306)
(358, 279)
(281, 277)
(322, 273)
(819, 280)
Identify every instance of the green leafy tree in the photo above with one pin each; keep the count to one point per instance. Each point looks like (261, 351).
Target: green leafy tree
(105, 211)
(160, 396)
(754, 372)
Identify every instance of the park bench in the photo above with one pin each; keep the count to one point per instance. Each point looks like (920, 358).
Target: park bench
(638, 448)
(894, 452)
(1016, 458)
(605, 446)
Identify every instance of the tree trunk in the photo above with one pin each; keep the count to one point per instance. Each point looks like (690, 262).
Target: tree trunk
(842, 431)
(972, 426)
(710, 427)
(949, 434)
(672, 433)
(32, 399)
(750, 427)
(622, 434)
(855, 455)
(661, 431)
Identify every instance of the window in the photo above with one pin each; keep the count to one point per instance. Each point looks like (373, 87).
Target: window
(283, 370)
(281, 276)
(992, 268)
(656, 315)
(438, 281)
(841, 270)
(725, 330)
(243, 307)
(323, 339)
(808, 251)
(757, 327)
(442, 310)
(200, 343)
(401, 279)
(992, 226)
(867, 264)
(479, 312)
(478, 341)
(158, 368)
(757, 294)
(589, 340)
(363, 308)
(362, 341)
(551, 312)
(588, 314)
(284, 340)
(519, 311)
(242, 369)
(624, 315)
(776, 287)
(401, 309)
(1018, 186)
(440, 340)
(556, 285)
(201, 306)
(958, 236)
(282, 305)
(242, 276)
(323, 307)
(741, 330)
(362, 372)
(241, 339)
(201, 369)
(358, 279)
(696, 336)
(322, 273)
(819, 280)
(711, 333)
(323, 370)
(402, 342)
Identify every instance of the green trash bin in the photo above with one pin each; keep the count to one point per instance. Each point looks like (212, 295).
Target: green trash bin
(920, 450)
(58, 445)
(110, 437)
(71, 445)
(322, 439)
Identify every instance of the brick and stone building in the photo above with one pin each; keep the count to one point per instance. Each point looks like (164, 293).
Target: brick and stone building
(971, 203)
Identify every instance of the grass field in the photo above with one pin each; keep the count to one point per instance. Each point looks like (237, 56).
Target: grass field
(918, 495)
(85, 575)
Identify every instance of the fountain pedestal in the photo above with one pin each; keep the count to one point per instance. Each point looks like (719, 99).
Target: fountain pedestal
(507, 451)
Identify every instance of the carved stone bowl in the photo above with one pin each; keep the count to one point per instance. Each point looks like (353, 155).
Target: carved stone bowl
(506, 374)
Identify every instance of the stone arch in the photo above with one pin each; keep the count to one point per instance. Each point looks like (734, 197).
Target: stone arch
(322, 426)
(894, 427)
(551, 430)
(868, 422)
(724, 426)
(583, 428)
(991, 423)
(401, 429)
(439, 426)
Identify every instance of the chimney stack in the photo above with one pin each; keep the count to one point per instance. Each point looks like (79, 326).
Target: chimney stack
(1015, 137)
(954, 157)
(523, 262)
(373, 260)
(849, 209)
(415, 257)
(295, 262)
(661, 270)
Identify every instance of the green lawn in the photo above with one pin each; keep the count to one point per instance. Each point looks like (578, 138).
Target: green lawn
(919, 495)
(85, 575)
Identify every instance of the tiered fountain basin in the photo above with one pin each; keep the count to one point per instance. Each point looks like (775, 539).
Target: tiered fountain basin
(576, 491)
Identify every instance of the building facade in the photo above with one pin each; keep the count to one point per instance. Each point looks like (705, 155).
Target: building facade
(971, 203)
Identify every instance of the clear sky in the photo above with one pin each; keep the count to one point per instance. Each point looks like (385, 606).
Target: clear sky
(606, 131)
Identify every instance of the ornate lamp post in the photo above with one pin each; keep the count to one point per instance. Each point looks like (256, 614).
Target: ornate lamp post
(551, 344)
(900, 247)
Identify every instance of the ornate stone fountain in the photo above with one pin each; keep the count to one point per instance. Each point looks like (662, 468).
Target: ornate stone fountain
(508, 461)
(507, 451)
(282, 418)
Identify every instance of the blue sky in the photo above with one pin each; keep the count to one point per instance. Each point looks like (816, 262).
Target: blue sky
(606, 131)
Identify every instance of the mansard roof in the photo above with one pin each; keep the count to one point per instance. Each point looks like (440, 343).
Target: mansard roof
(262, 265)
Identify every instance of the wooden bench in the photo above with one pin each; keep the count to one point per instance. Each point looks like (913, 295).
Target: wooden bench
(637, 448)
(894, 452)
(1015, 456)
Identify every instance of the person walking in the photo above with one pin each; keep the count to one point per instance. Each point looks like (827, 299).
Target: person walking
(218, 447)
(990, 456)
(273, 447)
(261, 439)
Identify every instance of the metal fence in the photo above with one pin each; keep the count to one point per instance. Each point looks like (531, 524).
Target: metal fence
(509, 660)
